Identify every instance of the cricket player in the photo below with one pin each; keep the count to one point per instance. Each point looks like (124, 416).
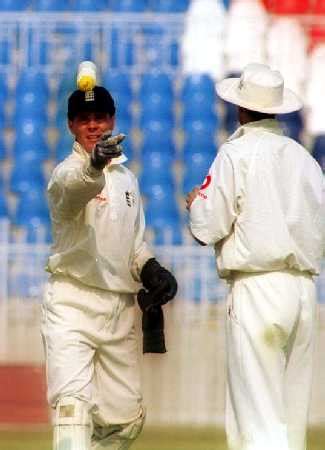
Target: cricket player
(99, 260)
(262, 208)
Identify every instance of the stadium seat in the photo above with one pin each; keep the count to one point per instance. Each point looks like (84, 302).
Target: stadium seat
(90, 5)
(51, 5)
(30, 80)
(230, 119)
(285, 7)
(63, 146)
(128, 5)
(318, 7)
(156, 169)
(157, 136)
(6, 52)
(31, 205)
(4, 89)
(198, 83)
(158, 82)
(30, 105)
(38, 231)
(4, 211)
(292, 124)
(14, 5)
(169, 6)
(3, 147)
(120, 87)
(161, 208)
(156, 107)
(168, 235)
(30, 136)
(27, 173)
(119, 47)
(196, 168)
(199, 109)
(318, 150)
(199, 136)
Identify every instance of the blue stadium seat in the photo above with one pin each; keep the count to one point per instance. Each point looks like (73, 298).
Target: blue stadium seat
(3, 148)
(156, 107)
(31, 80)
(90, 5)
(199, 109)
(24, 178)
(4, 211)
(128, 5)
(14, 5)
(318, 150)
(120, 49)
(31, 206)
(6, 52)
(170, 234)
(63, 146)
(4, 89)
(194, 83)
(120, 87)
(196, 168)
(38, 231)
(51, 5)
(157, 136)
(30, 136)
(118, 83)
(199, 136)
(230, 120)
(158, 82)
(31, 105)
(156, 169)
(293, 124)
(169, 6)
(161, 208)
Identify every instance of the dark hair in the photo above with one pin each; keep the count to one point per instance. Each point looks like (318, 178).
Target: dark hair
(256, 115)
(97, 100)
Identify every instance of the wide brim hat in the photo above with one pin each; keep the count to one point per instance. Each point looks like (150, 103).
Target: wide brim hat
(259, 89)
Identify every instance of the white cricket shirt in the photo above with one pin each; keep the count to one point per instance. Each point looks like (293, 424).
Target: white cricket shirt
(98, 223)
(262, 204)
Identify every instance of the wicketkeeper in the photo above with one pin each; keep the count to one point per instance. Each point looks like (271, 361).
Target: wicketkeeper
(262, 207)
(99, 260)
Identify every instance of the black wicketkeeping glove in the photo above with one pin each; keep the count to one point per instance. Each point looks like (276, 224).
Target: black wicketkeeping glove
(107, 147)
(159, 282)
(153, 331)
(161, 287)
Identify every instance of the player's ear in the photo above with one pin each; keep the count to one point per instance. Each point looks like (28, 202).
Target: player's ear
(70, 125)
(112, 123)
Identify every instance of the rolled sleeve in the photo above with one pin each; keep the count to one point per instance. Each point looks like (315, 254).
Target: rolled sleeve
(213, 212)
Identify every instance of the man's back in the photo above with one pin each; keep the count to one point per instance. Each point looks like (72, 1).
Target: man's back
(278, 190)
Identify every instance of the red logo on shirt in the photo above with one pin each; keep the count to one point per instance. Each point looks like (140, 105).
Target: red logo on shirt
(101, 198)
(206, 182)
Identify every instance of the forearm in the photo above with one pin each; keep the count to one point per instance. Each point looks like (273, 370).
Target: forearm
(73, 189)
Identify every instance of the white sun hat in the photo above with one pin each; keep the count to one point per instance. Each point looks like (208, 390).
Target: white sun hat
(259, 89)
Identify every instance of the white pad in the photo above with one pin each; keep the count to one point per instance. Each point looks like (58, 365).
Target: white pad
(72, 429)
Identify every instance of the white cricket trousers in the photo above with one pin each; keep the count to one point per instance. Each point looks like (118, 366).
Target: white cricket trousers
(270, 343)
(92, 350)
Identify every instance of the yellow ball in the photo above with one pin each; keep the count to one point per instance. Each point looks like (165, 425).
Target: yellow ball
(86, 83)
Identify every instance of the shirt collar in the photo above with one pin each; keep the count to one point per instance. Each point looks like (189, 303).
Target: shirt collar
(270, 125)
(78, 148)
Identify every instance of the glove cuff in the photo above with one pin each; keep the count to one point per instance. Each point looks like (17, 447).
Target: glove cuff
(154, 342)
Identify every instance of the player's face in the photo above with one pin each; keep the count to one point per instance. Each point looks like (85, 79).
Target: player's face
(89, 127)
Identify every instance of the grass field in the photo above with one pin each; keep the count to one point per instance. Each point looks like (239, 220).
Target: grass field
(151, 439)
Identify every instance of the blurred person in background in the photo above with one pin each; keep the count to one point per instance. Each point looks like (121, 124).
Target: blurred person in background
(99, 260)
(262, 206)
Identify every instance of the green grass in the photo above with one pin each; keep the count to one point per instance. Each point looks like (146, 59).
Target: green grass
(151, 439)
